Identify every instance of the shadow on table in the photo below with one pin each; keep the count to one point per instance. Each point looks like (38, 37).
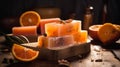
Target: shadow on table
(106, 46)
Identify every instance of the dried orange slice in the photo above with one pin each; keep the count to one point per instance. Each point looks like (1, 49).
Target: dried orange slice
(108, 33)
(24, 54)
(29, 18)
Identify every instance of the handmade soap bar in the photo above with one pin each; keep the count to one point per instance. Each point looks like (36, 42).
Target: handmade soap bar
(69, 28)
(81, 36)
(61, 29)
(40, 40)
(51, 29)
(25, 30)
(61, 41)
(45, 21)
(84, 36)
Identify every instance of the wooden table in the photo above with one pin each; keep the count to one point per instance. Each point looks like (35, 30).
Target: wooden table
(98, 57)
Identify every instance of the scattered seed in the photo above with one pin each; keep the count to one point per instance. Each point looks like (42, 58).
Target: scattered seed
(92, 60)
(98, 60)
(5, 61)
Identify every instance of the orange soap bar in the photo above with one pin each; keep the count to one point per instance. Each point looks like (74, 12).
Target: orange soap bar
(40, 40)
(51, 29)
(69, 28)
(51, 42)
(44, 21)
(57, 29)
(81, 36)
(25, 30)
(84, 36)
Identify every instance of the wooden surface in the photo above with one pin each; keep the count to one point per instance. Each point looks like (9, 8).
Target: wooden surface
(98, 57)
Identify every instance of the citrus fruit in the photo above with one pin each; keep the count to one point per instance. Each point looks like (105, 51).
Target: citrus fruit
(108, 33)
(24, 54)
(118, 26)
(29, 18)
(93, 31)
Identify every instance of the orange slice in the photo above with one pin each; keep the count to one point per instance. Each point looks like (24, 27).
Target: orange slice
(24, 54)
(29, 18)
(108, 33)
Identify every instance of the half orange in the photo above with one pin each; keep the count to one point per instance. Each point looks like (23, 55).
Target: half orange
(93, 31)
(29, 18)
(108, 33)
(24, 54)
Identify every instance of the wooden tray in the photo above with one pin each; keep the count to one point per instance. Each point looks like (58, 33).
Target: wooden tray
(64, 52)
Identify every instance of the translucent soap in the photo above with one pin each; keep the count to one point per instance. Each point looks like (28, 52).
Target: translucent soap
(61, 41)
(81, 36)
(62, 29)
(42, 23)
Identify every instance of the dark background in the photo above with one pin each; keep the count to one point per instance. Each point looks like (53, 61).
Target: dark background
(12, 9)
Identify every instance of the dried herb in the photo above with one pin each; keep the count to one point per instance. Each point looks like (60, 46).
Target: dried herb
(10, 39)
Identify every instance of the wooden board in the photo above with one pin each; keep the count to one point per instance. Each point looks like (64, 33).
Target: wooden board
(64, 53)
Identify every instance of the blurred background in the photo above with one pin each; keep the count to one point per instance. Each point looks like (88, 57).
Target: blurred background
(65, 9)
